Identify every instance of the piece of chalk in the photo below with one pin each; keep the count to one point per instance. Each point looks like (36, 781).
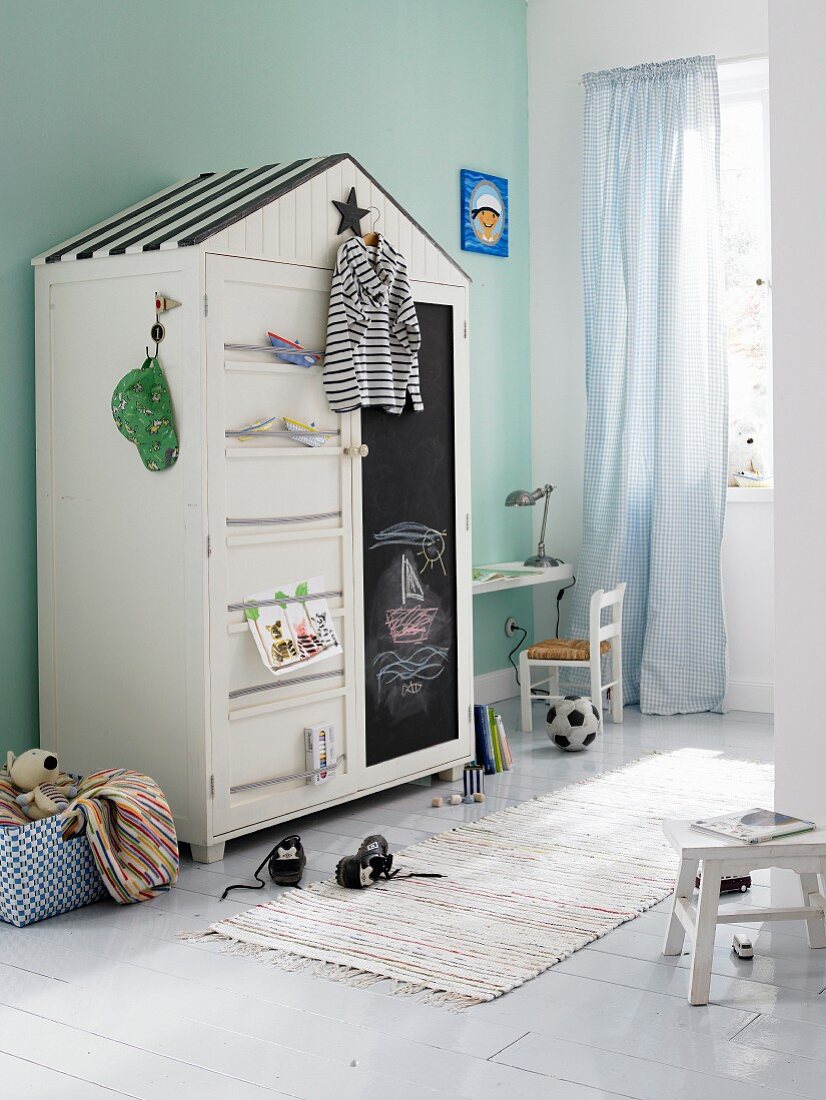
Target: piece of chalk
(437, 802)
(478, 797)
(455, 800)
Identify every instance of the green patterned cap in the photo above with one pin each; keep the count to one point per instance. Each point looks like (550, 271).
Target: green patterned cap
(142, 410)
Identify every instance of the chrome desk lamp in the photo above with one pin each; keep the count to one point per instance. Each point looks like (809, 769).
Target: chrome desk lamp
(522, 498)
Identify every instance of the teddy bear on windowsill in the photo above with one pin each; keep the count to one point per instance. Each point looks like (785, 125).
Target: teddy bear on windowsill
(746, 465)
(46, 790)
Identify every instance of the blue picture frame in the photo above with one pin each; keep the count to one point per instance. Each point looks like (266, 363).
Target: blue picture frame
(484, 213)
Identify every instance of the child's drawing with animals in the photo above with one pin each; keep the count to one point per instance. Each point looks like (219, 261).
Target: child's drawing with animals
(290, 626)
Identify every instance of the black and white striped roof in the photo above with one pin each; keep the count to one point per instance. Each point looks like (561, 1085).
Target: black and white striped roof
(193, 210)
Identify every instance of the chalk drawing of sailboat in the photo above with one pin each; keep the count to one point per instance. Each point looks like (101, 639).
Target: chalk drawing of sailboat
(411, 585)
(410, 624)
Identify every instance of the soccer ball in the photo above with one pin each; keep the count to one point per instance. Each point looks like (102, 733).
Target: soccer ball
(573, 723)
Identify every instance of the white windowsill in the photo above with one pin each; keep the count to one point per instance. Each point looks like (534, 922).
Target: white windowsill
(749, 496)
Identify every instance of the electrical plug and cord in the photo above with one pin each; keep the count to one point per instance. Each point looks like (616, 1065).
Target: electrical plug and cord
(559, 596)
(512, 626)
(524, 633)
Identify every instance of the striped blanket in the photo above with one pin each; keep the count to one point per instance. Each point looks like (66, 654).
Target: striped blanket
(10, 812)
(129, 827)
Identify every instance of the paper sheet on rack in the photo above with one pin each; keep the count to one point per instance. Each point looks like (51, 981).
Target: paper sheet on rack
(297, 630)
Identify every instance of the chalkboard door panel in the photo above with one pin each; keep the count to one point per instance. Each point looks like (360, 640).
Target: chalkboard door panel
(409, 539)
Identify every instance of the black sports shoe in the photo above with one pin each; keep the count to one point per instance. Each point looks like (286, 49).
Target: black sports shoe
(371, 862)
(374, 852)
(286, 861)
(285, 864)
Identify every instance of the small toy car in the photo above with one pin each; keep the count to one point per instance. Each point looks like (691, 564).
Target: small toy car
(742, 947)
(731, 884)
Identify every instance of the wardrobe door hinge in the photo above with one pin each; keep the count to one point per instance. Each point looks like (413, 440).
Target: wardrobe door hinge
(212, 786)
(470, 712)
(467, 521)
(209, 545)
(465, 330)
(206, 306)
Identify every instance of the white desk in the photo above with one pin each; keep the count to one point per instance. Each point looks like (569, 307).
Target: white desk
(527, 577)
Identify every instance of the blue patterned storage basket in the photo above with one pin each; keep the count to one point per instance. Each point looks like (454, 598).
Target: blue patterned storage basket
(41, 874)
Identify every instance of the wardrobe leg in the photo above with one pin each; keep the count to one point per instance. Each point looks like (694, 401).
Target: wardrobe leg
(207, 853)
(451, 775)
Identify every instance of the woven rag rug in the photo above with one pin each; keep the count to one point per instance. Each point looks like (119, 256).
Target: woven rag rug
(524, 887)
(128, 825)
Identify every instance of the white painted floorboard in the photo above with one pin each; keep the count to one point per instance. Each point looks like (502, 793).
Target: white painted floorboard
(107, 1001)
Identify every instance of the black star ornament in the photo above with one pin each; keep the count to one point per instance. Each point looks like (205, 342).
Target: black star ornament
(351, 213)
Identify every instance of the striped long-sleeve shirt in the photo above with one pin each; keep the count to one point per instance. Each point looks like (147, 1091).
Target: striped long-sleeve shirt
(373, 337)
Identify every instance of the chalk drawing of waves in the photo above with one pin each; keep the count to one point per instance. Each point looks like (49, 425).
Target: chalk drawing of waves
(425, 663)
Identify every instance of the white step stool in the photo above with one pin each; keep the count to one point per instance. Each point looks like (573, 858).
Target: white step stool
(804, 853)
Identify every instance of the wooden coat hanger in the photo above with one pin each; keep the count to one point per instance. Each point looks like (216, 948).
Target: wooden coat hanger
(371, 237)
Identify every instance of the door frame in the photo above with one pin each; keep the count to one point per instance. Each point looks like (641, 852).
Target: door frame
(458, 750)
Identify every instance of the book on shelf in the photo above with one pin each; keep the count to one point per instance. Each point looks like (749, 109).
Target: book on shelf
(487, 576)
(507, 759)
(492, 748)
(753, 826)
(494, 736)
(482, 756)
(489, 740)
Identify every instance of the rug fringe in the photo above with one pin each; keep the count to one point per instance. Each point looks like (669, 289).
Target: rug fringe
(356, 979)
(199, 935)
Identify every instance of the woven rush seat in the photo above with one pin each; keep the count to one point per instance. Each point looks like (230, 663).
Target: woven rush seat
(564, 649)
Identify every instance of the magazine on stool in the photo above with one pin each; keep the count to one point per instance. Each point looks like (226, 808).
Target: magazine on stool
(753, 826)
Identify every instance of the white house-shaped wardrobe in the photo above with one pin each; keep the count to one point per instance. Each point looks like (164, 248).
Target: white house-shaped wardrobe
(146, 660)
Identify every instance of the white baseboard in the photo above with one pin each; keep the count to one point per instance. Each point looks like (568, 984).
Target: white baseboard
(755, 695)
(493, 686)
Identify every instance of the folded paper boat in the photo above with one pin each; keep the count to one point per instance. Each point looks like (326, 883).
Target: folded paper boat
(293, 352)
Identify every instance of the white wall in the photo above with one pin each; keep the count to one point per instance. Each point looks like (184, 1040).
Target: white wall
(798, 107)
(566, 39)
(748, 590)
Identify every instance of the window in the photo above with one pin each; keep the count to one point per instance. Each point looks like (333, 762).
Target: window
(744, 183)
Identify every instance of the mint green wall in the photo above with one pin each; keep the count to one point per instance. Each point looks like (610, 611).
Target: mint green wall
(106, 101)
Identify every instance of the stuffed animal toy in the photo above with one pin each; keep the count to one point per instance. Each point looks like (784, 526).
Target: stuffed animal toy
(46, 791)
(746, 464)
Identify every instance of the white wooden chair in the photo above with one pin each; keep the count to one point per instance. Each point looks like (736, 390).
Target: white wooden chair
(555, 653)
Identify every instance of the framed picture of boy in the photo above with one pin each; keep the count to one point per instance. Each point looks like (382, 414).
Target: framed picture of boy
(484, 213)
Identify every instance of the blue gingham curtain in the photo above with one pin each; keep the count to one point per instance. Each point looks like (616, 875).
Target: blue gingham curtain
(656, 377)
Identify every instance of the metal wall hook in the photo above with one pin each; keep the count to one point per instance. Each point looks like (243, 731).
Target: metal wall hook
(156, 333)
